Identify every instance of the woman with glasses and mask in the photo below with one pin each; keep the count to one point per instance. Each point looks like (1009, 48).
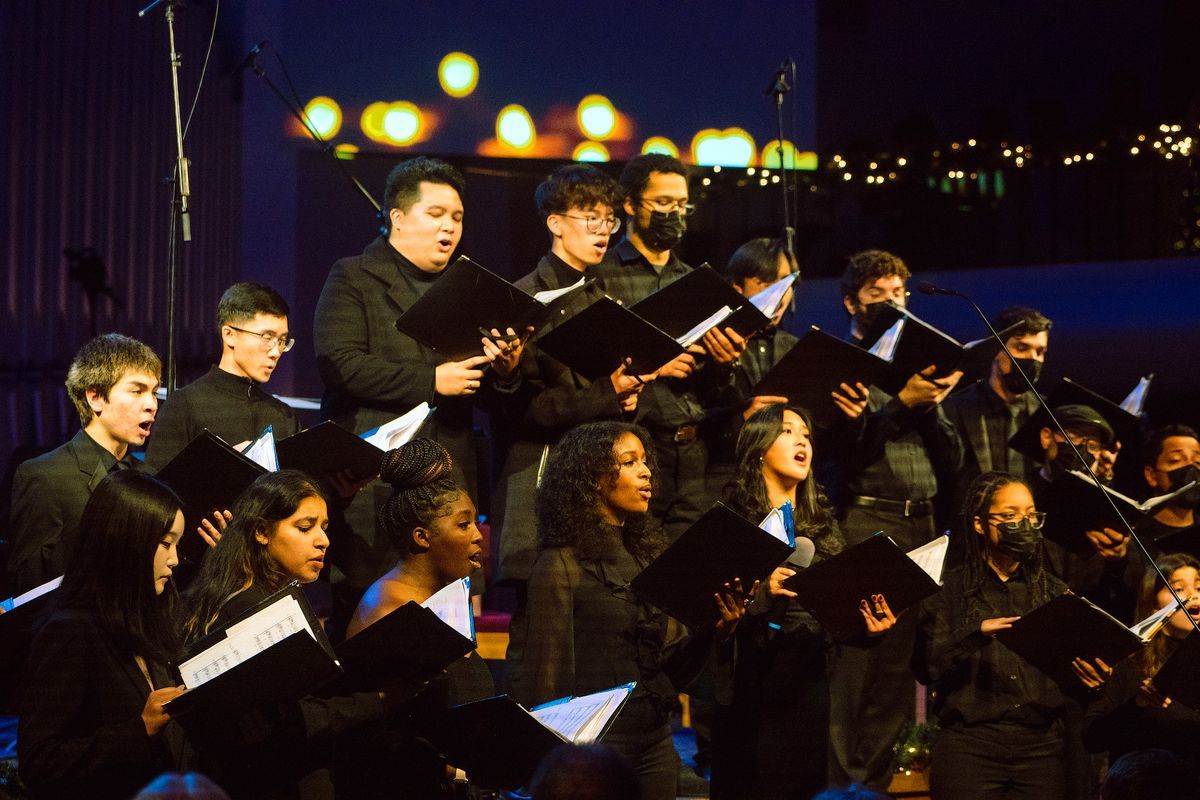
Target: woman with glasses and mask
(1002, 719)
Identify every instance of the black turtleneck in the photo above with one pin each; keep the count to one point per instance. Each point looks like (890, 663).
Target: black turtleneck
(414, 276)
(232, 407)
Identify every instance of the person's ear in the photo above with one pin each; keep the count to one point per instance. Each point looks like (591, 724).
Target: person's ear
(630, 207)
(1151, 478)
(1046, 438)
(260, 536)
(848, 303)
(422, 539)
(977, 523)
(740, 288)
(227, 336)
(95, 401)
(554, 224)
(396, 216)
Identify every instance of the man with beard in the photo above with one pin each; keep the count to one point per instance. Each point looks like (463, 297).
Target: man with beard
(887, 455)
(987, 413)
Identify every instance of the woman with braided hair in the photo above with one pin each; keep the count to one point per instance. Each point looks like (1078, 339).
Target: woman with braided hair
(585, 630)
(431, 521)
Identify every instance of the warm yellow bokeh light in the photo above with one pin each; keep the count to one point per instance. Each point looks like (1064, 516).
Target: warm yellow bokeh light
(732, 147)
(660, 144)
(324, 115)
(590, 151)
(371, 121)
(459, 74)
(596, 116)
(770, 155)
(399, 123)
(514, 127)
(346, 151)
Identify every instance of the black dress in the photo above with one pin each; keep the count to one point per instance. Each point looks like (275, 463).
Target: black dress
(771, 736)
(81, 732)
(585, 631)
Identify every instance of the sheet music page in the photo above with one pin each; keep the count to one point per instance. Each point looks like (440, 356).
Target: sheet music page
(581, 719)
(773, 524)
(262, 451)
(251, 636)
(769, 299)
(885, 348)
(1136, 399)
(32, 594)
(694, 335)
(452, 604)
(401, 430)
(931, 557)
(550, 295)
(1150, 625)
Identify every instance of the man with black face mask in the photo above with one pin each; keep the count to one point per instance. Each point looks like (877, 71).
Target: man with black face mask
(988, 412)
(1172, 461)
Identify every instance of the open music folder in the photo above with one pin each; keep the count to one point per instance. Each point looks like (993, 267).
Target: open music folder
(500, 743)
(816, 366)
(700, 297)
(209, 474)
(1068, 627)
(465, 301)
(718, 547)
(329, 448)
(1125, 418)
(275, 652)
(595, 341)
(831, 590)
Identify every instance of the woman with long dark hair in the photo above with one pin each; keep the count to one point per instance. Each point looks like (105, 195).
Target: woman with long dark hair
(585, 630)
(1001, 719)
(1132, 714)
(432, 524)
(92, 722)
(772, 727)
(277, 535)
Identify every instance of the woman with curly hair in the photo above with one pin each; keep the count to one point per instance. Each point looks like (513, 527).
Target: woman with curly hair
(1001, 718)
(585, 631)
(1132, 714)
(431, 522)
(772, 726)
(277, 535)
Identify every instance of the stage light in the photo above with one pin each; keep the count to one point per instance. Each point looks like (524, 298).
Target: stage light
(596, 117)
(514, 127)
(371, 121)
(770, 155)
(732, 147)
(590, 151)
(459, 74)
(660, 144)
(324, 115)
(402, 123)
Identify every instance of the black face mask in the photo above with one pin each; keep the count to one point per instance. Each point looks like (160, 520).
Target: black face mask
(1018, 539)
(1182, 476)
(867, 315)
(1012, 380)
(664, 230)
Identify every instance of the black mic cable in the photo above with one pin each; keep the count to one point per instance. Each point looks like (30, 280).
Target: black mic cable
(925, 287)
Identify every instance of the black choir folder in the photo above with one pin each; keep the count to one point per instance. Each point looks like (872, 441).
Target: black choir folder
(498, 743)
(718, 547)
(1074, 505)
(329, 448)
(697, 295)
(595, 341)
(1126, 424)
(817, 365)
(1068, 627)
(208, 474)
(465, 299)
(921, 344)
(831, 590)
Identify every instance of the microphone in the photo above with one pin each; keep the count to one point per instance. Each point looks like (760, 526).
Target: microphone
(801, 558)
(248, 61)
(779, 85)
(925, 287)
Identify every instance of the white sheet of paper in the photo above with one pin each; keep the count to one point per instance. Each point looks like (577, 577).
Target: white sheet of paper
(581, 719)
(1150, 624)
(401, 430)
(32, 594)
(452, 604)
(931, 557)
(1136, 400)
(769, 299)
(246, 639)
(773, 524)
(694, 335)
(550, 295)
(262, 451)
(885, 348)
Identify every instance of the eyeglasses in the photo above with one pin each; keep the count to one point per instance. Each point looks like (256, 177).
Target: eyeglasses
(668, 204)
(1011, 520)
(609, 225)
(1093, 446)
(269, 340)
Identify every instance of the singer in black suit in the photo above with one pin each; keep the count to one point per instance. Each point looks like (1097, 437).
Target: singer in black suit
(92, 722)
(772, 724)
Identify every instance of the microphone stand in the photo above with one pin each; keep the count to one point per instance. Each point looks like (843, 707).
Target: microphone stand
(181, 190)
(930, 289)
(779, 87)
(251, 62)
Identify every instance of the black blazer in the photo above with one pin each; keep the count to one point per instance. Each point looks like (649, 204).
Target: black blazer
(48, 496)
(81, 732)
